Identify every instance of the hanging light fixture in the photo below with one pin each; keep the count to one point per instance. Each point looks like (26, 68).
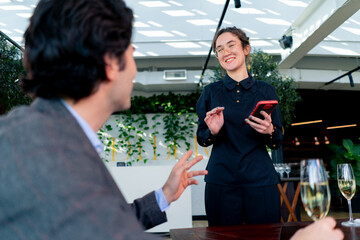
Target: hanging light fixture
(237, 3)
(316, 141)
(351, 80)
(296, 142)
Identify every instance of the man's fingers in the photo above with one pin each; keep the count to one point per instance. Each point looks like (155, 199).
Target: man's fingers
(194, 161)
(339, 233)
(197, 173)
(329, 222)
(192, 182)
(185, 157)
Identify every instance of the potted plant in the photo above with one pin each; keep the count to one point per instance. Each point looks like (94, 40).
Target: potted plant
(347, 152)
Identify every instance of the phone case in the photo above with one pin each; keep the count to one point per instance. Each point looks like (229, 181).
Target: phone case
(265, 105)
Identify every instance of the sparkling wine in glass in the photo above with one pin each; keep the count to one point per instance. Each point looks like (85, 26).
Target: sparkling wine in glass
(314, 188)
(347, 186)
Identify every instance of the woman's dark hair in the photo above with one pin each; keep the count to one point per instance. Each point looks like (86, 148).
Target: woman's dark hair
(234, 30)
(65, 45)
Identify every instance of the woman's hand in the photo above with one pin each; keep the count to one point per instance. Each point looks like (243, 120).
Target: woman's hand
(262, 126)
(215, 120)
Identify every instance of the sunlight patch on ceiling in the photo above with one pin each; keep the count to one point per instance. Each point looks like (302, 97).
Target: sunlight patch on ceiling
(206, 44)
(340, 51)
(248, 11)
(293, 3)
(14, 7)
(152, 54)
(19, 31)
(178, 13)
(332, 38)
(224, 21)
(202, 22)
(155, 4)
(198, 53)
(260, 43)
(179, 33)
(272, 51)
(246, 30)
(274, 21)
(218, 2)
(138, 24)
(352, 30)
(155, 24)
(24, 15)
(354, 21)
(272, 12)
(176, 3)
(247, 2)
(183, 45)
(156, 33)
(199, 12)
(139, 54)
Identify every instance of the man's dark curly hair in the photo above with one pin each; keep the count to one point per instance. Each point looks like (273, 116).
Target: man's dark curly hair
(65, 45)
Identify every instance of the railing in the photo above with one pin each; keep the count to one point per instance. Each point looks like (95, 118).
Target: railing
(11, 41)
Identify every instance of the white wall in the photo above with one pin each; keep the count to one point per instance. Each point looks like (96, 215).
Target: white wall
(117, 155)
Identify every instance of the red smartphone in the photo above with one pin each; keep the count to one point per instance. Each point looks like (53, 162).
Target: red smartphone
(265, 105)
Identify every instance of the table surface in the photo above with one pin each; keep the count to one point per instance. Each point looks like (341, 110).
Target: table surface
(274, 231)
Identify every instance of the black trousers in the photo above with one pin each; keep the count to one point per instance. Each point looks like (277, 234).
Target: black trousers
(232, 205)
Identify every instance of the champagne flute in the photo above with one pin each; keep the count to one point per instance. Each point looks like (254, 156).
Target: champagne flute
(281, 170)
(314, 186)
(287, 169)
(347, 186)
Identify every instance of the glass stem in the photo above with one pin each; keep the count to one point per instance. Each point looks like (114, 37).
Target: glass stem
(350, 211)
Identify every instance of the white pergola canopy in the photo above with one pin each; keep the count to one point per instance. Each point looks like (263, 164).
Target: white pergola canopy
(174, 34)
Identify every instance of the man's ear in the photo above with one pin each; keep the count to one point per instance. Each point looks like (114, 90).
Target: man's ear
(111, 67)
(247, 49)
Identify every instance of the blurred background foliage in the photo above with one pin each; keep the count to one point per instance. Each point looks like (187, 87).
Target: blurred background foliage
(11, 68)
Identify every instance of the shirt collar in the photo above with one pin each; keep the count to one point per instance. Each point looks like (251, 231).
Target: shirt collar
(231, 83)
(92, 136)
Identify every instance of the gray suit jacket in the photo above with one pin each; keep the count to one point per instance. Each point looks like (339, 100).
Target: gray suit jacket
(53, 184)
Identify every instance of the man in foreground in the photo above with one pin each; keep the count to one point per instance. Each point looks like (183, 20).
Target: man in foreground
(53, 184)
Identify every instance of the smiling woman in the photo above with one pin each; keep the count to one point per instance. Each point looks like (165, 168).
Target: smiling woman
(240, 169)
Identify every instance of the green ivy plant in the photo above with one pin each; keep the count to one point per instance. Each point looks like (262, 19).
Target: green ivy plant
(131, 134)
(347, 152)
(179, 121)
(154, 133)
(11, 68)
(179, 124)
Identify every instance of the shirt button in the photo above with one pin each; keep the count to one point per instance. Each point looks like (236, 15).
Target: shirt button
(238, 84)
(237, 101)
(209, 139)
(238, 91)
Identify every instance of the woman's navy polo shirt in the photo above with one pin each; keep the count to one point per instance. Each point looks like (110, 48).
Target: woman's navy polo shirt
(239, 156)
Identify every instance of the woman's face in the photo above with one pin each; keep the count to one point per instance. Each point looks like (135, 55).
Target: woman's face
(230, 53)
